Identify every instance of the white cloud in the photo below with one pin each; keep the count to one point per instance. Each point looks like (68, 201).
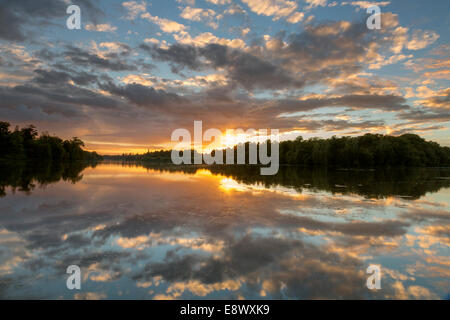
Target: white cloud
(245, 31)
(219, 2)
(366, 4)
(139, 9)
(134, 9)
(295, 17)
(166, 25)
(207, 38)
(100, 27)
(422, 39)
(198, 14)
(276, 8)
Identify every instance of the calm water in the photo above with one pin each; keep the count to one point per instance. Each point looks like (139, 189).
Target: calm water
(202, 233)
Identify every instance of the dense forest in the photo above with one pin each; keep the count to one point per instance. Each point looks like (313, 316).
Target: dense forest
(367, 151)
(26, 144)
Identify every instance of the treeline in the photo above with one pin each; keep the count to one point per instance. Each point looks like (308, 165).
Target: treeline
(367, 151)
(163, 156)
(26, 144)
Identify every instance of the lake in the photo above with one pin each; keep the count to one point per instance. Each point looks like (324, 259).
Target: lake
(152, 232)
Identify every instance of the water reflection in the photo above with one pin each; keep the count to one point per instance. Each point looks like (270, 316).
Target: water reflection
(160, 233)
(24, 176)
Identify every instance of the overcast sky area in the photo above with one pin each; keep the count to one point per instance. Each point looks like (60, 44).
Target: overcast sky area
(137, 70)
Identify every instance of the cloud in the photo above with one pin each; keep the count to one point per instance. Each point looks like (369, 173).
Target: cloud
(80, 56)
(246, 70)
(106, 27)
(17, 18)
(198, 14)
(144, 96)
(276, 8)
(367, 4)
(134, 9)
(139, 9)
(208, 38)
(439, 99)
(166, 25)
(315, 3)
(54, 77)
(422, 39)
(10, 25)
(271, 78)
(219, 2)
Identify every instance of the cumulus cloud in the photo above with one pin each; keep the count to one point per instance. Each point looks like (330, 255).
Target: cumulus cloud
(139, 10)
(277, 9)
(166, 25)
(422, 39)
(209, 16)
(245, 69)
(134, 9)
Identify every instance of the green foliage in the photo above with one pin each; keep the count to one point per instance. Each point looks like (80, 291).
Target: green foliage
(25, 144)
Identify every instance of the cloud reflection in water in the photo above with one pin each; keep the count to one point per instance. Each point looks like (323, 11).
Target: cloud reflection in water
(171, 233)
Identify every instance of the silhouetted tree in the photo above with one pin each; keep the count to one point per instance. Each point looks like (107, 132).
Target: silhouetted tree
(26, 145)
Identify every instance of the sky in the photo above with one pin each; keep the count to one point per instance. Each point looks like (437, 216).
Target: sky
(137, 70)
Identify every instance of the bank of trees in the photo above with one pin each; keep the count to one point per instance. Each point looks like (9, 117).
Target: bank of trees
(162, 156)
(25, 144)
(369, 150)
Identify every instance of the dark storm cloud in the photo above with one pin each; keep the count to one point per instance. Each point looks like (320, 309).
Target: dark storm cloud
(16, 16)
